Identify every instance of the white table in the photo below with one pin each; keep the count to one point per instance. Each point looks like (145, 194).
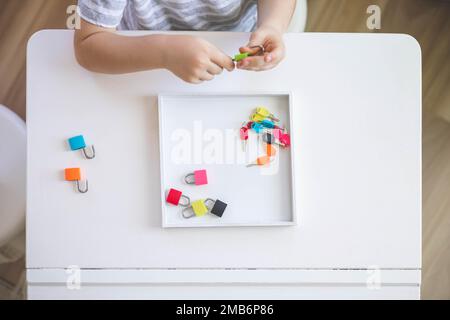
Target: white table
(357, 104)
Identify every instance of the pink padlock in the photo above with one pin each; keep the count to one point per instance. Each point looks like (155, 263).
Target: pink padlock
(198, 177)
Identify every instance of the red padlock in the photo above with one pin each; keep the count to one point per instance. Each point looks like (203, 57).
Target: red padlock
(174, 196)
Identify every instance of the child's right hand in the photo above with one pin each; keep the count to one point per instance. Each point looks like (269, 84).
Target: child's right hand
(195, 60)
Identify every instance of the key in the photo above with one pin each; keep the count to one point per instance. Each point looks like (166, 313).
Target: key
(266, 123)
(257, 117)
(270, 150)
(240, 56)
(263, 112)
(243, 133)
(285, 139)
(257, 127)
(260, 161)
(270, 139)
(277, 132)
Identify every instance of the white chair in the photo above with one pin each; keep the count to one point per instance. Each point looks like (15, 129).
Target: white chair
(12, 185)
(298, 20)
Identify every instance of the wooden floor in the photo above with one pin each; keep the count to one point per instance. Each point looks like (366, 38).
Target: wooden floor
(427, 20)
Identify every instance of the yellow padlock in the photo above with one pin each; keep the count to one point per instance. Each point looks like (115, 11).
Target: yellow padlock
(197, 209)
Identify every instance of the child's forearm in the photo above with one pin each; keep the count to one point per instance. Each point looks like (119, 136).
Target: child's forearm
(101, 50)
(275, 14)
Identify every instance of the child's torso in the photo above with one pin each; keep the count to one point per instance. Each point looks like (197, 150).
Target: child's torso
(212, 15)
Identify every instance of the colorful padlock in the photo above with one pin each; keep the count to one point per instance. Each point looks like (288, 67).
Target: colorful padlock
(198, 177)
(216, 207)
(197, 208)
(174, 196)
(77, 143)
(74, 174)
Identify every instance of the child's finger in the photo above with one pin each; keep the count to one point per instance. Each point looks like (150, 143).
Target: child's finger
(206, 76)
(222, 60)
(252, 62)
(254, 50)
(275, 55)
(214, 69)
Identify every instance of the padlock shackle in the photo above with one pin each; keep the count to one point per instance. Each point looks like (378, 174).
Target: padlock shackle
(187, 180)
(189, 208)
(85, 189)
(90, 155)
(188, 201)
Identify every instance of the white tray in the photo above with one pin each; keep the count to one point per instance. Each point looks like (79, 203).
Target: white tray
(201, 131)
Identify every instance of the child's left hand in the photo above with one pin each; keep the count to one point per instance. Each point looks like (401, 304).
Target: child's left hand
(272, 41)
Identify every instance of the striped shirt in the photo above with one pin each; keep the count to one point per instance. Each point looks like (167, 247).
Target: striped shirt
(211, 15)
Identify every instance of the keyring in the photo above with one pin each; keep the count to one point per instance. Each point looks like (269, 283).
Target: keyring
(261, 48)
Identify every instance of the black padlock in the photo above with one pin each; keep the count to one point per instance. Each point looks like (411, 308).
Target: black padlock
(217, 207)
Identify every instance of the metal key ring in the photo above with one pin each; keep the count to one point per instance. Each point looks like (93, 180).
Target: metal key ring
(261, 49)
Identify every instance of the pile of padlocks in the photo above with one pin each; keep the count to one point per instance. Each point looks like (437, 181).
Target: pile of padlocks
(196, 208)
(263, 123)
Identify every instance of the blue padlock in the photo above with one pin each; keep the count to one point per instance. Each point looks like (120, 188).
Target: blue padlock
(77, 143)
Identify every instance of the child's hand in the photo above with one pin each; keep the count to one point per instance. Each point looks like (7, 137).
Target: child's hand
(272, 41)
(195, 60)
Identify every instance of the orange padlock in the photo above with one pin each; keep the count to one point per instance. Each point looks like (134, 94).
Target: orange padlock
(74, 174)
